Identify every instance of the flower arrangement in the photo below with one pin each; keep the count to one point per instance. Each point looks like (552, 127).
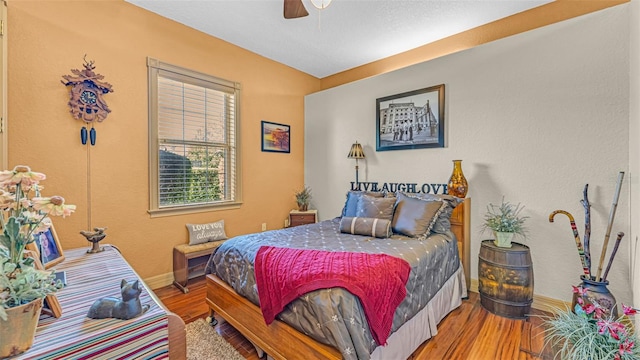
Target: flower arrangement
(591, 332)
(505, 218)
(21, 217)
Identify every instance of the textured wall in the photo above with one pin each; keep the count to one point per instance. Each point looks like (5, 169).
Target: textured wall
(48, 38)
(634, 147)
(534, 117)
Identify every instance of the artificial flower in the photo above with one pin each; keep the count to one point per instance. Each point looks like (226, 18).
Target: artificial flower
(625, 347)
(43, 225)
(21, 174)
(6, 199)
(613, 328)
(581, 291)
(53, 206)
(591, 332)
(628, 310)
(22, 217)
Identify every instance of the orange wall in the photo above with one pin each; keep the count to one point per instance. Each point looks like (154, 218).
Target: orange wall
(49, 38)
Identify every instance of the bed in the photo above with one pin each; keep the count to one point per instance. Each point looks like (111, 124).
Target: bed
(308, 327)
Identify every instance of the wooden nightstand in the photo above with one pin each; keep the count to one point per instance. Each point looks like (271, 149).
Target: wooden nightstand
(302, 217)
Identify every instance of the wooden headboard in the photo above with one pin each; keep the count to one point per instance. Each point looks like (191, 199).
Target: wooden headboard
(461, 227)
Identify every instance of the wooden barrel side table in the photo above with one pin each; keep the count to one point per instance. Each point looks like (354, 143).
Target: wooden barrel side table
(505, 279)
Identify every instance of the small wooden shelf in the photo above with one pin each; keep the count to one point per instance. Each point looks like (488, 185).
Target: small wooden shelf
(189, 261)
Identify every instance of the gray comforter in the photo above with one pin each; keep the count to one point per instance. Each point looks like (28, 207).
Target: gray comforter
(334, 316)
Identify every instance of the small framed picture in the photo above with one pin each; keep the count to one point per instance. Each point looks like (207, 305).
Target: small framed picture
(49, 248)
(276, 137)
(51, 305)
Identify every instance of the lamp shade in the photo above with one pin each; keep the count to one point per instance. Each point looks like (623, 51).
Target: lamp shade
(356, 152)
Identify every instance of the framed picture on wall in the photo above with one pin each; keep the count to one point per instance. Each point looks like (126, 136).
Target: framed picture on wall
(411, 120)
(276, 137)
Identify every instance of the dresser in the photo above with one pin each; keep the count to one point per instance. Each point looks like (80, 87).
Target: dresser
(156, 334)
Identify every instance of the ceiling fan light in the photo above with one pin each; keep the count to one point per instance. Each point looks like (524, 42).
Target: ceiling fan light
(321, 4)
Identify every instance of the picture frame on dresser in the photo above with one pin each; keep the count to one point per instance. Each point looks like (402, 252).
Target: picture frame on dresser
(47, 245)
(275, 137)
(411, 120)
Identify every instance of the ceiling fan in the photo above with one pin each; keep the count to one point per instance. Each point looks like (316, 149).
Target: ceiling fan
(295, 8)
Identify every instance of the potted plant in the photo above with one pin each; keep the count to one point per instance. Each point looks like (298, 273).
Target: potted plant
(505, 222)
(303, 197)
(591, 332)
(22, 285)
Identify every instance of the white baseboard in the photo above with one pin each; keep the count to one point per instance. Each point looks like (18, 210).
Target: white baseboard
(159, 281)
(539, 302)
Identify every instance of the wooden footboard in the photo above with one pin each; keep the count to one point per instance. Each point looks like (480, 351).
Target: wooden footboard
(279, 340)
(283, 342)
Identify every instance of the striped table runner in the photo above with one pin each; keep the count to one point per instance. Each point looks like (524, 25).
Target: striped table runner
(75, 336)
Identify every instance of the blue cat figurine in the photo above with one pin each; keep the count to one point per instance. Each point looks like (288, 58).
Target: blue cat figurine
(126, 308)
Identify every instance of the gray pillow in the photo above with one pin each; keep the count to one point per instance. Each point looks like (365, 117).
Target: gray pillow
(379, 228)
(443, 222)
(415, 217)
(351, 205)
(375, 207)
(202, 233)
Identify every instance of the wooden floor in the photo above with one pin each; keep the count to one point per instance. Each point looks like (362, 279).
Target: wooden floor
(468, 333)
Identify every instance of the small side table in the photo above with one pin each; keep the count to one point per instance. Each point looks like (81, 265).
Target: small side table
(297, 217)
(189, 261)
(505, 279)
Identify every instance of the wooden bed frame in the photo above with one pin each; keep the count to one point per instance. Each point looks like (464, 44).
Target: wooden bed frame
(282, 341)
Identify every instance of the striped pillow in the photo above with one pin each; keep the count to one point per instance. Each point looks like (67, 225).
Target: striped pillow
(380, 228)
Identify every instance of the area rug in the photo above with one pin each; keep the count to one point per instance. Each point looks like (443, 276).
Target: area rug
(203, 342)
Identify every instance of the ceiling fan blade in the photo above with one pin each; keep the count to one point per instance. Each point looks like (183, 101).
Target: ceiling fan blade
(294, 9)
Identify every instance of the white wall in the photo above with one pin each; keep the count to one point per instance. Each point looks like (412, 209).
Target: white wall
(534, 117)
(634, 146)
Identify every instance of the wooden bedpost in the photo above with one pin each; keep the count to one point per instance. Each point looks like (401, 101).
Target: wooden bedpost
(461, 227)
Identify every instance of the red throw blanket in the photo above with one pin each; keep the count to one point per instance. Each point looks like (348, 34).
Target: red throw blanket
(378, 280)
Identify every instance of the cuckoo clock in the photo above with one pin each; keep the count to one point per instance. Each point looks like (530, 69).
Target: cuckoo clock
(86, 97)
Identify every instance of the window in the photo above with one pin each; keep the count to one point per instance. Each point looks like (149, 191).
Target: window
(193, 150)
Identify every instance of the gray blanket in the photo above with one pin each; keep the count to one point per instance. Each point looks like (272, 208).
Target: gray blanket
(335, 316)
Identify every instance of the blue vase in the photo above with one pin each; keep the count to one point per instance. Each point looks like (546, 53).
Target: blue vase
(598, 292)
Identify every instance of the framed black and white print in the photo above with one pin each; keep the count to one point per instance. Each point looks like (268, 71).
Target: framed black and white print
(411, 120)
(276, 137)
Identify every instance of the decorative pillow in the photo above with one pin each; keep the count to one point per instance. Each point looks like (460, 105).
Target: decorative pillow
(414, 217)
(351, 205)
(443, 222)
(375, 207)
(202, 233)
(379, 228)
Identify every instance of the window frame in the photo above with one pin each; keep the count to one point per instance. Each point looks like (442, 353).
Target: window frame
(155, 68)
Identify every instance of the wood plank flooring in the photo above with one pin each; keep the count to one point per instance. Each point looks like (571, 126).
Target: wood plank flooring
(468, 333)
